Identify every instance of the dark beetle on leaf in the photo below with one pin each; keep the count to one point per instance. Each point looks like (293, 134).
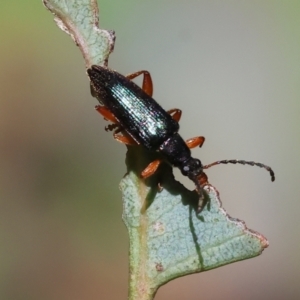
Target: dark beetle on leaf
(132, 110)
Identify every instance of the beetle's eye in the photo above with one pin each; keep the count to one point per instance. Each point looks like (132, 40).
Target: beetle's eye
(185, 170)
(198, 162)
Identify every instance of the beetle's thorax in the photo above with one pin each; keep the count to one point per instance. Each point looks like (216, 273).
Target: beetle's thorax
(179, 155)
(192, 168)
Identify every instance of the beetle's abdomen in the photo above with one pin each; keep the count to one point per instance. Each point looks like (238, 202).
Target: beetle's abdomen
(140, 115)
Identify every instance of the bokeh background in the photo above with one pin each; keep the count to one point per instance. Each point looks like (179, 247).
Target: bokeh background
(233, 67)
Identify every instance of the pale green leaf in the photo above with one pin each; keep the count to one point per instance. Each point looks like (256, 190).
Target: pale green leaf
(168, 239)
(80, 19)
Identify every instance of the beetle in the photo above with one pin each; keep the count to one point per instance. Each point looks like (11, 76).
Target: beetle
(133, 111)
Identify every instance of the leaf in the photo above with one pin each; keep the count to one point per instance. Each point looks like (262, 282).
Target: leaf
(167, 237)
(80, 19)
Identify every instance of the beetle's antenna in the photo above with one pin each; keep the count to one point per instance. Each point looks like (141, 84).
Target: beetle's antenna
(242, 162)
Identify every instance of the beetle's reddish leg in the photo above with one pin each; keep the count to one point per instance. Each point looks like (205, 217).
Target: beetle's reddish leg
(112, 127)
(151, 168)
(147, 81)
(106, 113)
(194, 142)
(125, 139)
(175, 114)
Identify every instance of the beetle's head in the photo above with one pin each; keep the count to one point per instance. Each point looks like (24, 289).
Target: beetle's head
(192, 168)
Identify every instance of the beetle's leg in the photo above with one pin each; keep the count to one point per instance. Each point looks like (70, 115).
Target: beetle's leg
(147, 81)
(175, 114)
(106, 113)
(125, 139)
(111, 127)
(194, 142)
(118, 129)
(151, 168)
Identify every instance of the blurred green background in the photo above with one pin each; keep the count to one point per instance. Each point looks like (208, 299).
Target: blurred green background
(233, 67)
